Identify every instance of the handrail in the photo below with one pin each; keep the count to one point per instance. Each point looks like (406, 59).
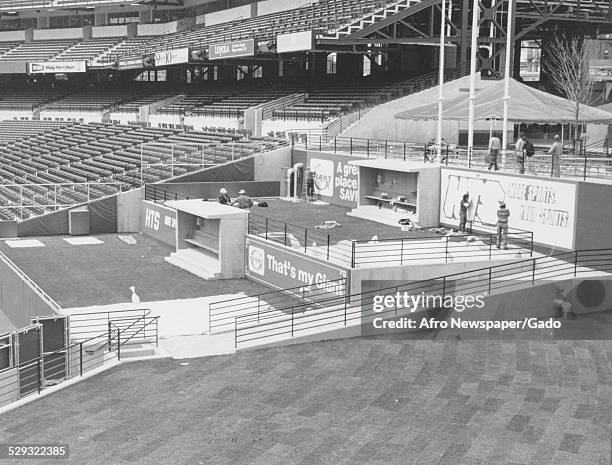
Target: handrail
(271, 324)
(100, 320)
(541, 163)
(141, 328)
(75, 360)
(391, 251)
(222, 312)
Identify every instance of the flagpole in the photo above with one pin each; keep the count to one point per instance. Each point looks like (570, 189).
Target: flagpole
(509, 44)
(441, 79)
(473, 52)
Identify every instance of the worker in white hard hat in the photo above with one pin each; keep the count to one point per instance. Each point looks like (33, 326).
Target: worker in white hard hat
(224, 198)
(243, 200)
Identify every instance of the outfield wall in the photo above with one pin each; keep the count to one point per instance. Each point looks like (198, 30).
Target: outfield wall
(336, 181)
(546, 206)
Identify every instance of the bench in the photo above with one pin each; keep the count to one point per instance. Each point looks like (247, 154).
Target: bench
(205, 241)
(409, 203)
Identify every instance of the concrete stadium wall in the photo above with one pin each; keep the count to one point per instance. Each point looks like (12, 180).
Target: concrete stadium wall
(128, 210)
(13, 67)
(64, 33)
(86, 116)
(198, 122)
(272, 6)
(122, 30)
(231, 14)
(158, 120)
(13, 114)
(278, 125)
(156, 29)
(272, 166)
(19, 300)
(124, 117)
(9, 36)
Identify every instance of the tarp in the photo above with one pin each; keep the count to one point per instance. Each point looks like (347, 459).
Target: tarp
(525, 105)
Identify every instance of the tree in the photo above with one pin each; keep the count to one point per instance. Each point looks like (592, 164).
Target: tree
(567, 67)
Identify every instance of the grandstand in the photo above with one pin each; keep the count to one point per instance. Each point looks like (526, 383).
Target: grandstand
(112, 157)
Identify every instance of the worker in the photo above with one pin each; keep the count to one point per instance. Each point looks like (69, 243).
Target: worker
(243, 200)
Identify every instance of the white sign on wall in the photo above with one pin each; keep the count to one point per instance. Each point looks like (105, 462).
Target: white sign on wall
(172, 57)
(324, 176)
(57, 67)
(545, 207)
(295, 42)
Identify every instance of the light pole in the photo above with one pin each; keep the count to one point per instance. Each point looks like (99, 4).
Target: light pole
(472, 100)
(441, 78)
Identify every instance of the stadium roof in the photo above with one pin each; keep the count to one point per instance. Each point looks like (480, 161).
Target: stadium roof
(526, 105)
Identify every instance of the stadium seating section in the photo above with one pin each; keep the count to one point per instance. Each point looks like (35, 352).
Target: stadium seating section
(38, 50)
(322, 18)
(88, 50)
(36, 155)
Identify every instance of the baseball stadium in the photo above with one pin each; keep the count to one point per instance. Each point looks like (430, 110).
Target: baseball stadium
(305, 232)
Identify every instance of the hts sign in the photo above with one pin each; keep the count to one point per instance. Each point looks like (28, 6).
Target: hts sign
(153, 217)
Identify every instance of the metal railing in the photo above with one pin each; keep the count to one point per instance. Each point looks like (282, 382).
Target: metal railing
(387, 252)
(593, 165)
(84, 326)
(311, 241)
(408, 250)
(271, 326)
(17, 199)
(222, 313)
(96, 339)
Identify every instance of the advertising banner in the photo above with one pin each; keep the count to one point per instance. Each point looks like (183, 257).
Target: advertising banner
(283, 268)
(57, 67)
(547, 208)
(159, 222)
(295, 42)
(239, 48)
(336, 181)
(172, 57)
(130, 63)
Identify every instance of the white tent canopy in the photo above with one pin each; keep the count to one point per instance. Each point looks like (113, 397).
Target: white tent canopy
(525, 105)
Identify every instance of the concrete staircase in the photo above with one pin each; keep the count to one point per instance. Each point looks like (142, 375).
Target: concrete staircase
(197, 262)
(138, 351)
(373, 17)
